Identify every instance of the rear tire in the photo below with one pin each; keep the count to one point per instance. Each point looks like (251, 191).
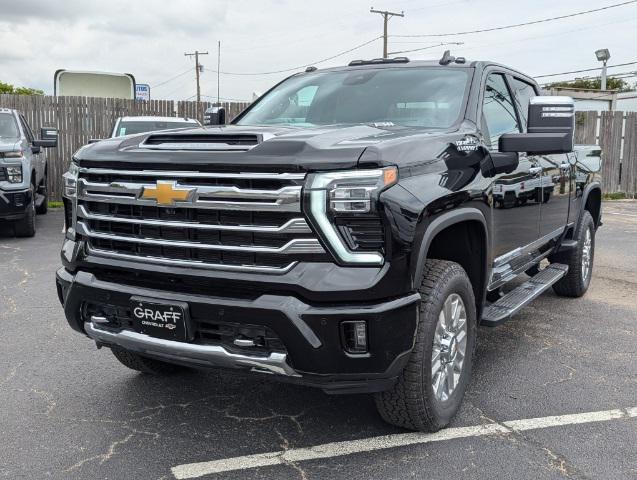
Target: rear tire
(25, 227)
(579, 260)
(145, 364)
(418, 400)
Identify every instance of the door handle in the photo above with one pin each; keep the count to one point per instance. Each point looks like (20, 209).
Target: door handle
(535, 170)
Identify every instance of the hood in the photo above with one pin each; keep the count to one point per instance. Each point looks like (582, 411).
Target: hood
(256, 148)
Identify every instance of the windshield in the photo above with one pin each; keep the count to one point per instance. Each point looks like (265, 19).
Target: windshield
(419, 97)
(8, 126)
(132, 127)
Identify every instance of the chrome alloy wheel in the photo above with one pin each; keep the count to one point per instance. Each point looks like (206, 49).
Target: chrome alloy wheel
(586, 254)
(450, 346)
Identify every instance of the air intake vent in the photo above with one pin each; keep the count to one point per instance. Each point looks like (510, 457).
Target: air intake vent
(202, 142)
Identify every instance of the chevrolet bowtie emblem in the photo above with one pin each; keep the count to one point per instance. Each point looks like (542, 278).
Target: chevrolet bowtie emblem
(167, 193)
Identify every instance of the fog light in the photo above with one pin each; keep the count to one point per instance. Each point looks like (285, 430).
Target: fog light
(354, 334)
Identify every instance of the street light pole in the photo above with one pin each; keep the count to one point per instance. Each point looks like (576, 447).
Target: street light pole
(603, 85)
(603, 55)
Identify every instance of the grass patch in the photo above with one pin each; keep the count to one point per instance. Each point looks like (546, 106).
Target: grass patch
(615, 196)
(56, 204)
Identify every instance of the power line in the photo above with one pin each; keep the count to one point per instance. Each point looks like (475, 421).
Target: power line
(306, 64)
(427, 48)
(533, 22)
(584, 70)
(172, 78)
(386, 16)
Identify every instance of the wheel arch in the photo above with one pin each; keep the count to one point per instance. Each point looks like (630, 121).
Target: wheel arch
(592, 202)
(461, 236)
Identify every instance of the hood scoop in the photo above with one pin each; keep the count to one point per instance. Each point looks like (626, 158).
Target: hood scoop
(208, 141)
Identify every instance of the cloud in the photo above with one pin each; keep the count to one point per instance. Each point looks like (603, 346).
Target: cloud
(149, 38)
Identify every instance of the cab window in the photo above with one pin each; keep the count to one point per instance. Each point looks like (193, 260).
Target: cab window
(498, 111)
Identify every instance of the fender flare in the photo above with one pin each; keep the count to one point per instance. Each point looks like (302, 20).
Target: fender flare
(587, 190)
(438, 224)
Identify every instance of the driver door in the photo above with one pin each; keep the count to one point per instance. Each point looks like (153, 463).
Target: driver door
(514, 206)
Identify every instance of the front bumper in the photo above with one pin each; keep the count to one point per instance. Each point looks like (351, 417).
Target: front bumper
(13, 204)
(314, 353)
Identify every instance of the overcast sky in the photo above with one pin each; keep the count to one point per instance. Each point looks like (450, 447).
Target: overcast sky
(149, 38)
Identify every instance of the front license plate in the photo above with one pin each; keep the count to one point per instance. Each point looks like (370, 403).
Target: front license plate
(162, 320)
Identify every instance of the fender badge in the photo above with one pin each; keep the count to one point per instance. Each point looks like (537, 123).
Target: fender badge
(467, 144)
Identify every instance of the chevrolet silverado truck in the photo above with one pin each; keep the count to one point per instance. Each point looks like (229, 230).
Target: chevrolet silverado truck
(340, 233)
(23, 172)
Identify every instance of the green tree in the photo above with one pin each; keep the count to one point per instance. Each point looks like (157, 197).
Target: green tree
(612, 83)
(8, 88)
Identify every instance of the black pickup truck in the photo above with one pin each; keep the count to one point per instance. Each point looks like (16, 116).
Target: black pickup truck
(342, 232)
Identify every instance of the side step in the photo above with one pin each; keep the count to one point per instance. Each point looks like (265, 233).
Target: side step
(500, 311)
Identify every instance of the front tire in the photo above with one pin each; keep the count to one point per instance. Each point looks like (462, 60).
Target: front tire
(25, 227)
(44, 206)
(579, 260)
(430, 389)
(145, 364)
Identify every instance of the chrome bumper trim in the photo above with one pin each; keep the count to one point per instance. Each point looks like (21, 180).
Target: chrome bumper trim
(201, 355)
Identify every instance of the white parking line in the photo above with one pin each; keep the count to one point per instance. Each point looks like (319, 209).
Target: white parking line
(624, 214)
(339, 449)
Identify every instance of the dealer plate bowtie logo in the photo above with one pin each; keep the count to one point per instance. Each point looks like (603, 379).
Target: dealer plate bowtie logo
(167, 193)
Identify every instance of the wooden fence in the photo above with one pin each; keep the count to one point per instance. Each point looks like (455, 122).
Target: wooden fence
(616, 134)
(80, 119)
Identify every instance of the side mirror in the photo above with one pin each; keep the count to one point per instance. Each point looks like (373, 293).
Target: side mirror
(48, 138)
(93, 140)
(551, 128)
(214, 116)
(499, 162)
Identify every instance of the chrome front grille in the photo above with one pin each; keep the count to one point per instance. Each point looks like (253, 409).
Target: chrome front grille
(234, 221)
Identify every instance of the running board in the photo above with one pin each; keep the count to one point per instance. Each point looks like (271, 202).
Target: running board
(500, 311)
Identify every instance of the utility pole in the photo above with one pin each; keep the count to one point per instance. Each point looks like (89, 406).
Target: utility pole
(198, 69)
(219, 73)
(386, 16)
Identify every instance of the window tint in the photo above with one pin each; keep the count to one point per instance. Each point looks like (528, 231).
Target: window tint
(498, 111)
(418, 97)
(523, 93)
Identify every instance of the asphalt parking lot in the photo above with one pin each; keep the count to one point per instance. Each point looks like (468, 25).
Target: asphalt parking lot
(70, 411)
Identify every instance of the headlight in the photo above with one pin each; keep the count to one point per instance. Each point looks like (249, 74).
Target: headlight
(14, 174)
(16, 154)
(70, 181)
(348, 193)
